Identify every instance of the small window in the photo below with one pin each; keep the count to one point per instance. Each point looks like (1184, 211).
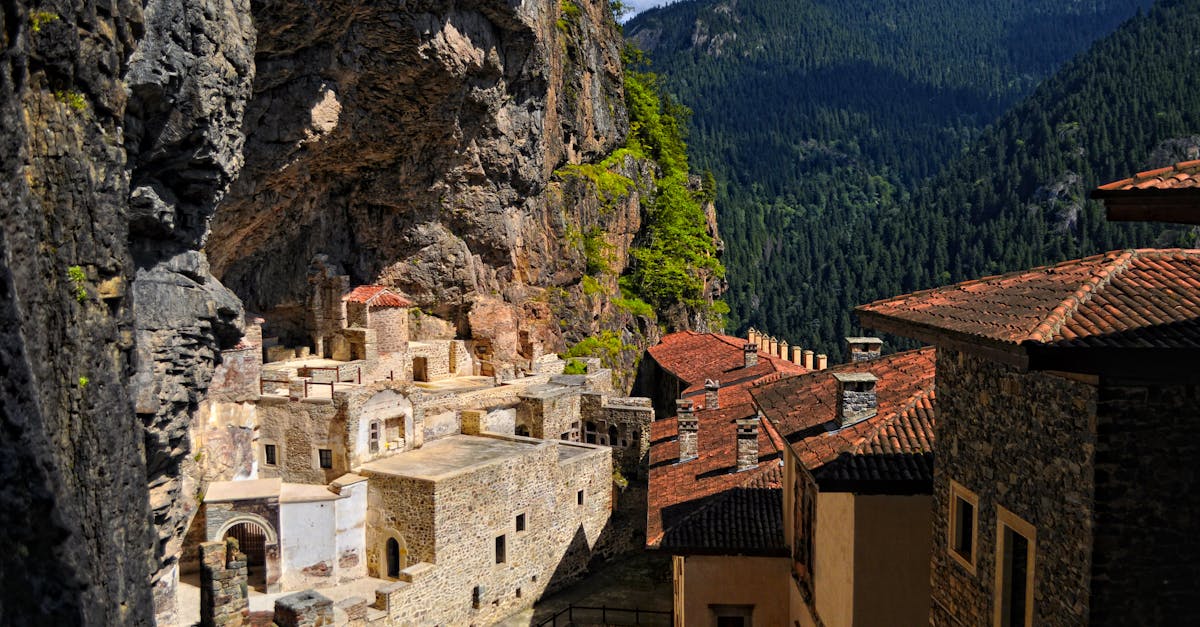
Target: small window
(325, 457)
(733, 615)
(269, 455)
(579, 497)
(964, 520)
(373, 437)
(501, 550)
(1015, 547)
(520, 522)
(565, 436)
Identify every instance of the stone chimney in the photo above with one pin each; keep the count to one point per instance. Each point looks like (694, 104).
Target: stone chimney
(752, 335)
(783, 349)
(857, 400)
(710, 394)
(798, 355)
(822, 362)
(773, 347)
(864, 348)
(750, 352)
(747, 443)
(810, 361)
(689, 427)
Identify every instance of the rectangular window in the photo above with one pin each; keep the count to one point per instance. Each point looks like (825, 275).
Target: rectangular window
(579, 497)
(520, 522)
(964, 520)
(501, 550)
(325, 456)
(733, 615)
(1015, 549)
(269, 455)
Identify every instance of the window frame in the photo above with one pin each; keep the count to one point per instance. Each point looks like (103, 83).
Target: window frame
(320, 464)
(520, 522)
(501, 549)
(579, 498)
(270, 454)
(959, 491)
(1019, 526)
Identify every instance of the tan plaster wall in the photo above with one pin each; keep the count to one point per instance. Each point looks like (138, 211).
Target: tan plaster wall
(892, 540)
(735, 580)
(833, 563)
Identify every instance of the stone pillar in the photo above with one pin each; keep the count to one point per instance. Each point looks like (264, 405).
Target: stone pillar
(223, 593)
(773, 347)
(304, 609)
(822, 362)
(750, 353)
(711, 398)
(798, 355)
(752, 335)
(810, 360)
(747, 443)
(689, 428)
(783, 349)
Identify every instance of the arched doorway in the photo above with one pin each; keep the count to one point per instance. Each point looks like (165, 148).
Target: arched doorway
(393, 558)
(252, 540)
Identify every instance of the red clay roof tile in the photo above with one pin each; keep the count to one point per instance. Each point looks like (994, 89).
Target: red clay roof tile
(1183, 175)
(1130, 298)
(376, 296)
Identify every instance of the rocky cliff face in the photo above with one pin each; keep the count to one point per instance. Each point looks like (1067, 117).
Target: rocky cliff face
(419, 144)
(121, 130)
(416, 144)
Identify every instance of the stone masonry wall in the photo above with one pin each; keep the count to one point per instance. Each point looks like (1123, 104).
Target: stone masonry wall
(1146, 559)
(391, 328)
(1025, 442)
(224, 601)
(298, 429)
(465, 584)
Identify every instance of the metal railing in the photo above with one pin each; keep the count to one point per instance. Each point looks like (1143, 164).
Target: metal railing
(617, 616)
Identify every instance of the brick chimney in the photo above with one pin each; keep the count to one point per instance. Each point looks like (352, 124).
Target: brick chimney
(689, 427)
(750, 351)
(857, 399)
(864, 348)
(747, 443)
(710, 394)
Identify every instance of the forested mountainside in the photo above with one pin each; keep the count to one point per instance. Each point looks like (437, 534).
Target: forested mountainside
(821, 118)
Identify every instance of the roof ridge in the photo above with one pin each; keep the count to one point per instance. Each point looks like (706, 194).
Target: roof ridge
(1150, 174)
(1060, 315)
(993, 277)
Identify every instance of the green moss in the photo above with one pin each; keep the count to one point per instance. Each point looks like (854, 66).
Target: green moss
(83, 381)
(607, 346)
(72, 99)
(38, 19)
(591, 286)
(78, 280)
(610, 186)
(574, 366)
(619, 479)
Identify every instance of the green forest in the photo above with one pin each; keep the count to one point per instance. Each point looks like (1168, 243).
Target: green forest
(862, 153)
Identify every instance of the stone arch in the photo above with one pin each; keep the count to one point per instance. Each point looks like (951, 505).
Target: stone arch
(387, 537)
(245, 517)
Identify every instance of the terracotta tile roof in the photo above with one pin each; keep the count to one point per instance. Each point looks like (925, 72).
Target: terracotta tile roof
(677, 489)
(694, 357)
(745, 519)
(1184, 175)
(1147, 298)
(895, 445)
(376, 296)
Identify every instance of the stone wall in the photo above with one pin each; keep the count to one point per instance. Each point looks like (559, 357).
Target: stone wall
(224, 601)
(632, 418)
(460, 582)
(1025, 442)
(298, 429)
(550, 412)
(391, 328)
(1147, 539)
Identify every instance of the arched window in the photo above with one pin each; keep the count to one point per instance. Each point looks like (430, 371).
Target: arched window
(393, 558)
(613, 435)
